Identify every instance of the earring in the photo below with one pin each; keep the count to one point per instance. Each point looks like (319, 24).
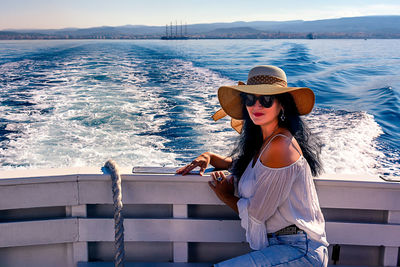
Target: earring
(283, 116)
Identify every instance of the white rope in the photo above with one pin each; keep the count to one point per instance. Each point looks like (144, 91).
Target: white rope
(119, 255)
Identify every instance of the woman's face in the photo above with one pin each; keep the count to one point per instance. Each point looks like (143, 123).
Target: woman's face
(261, 115)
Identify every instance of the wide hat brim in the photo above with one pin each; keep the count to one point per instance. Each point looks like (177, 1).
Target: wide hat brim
(230, 100)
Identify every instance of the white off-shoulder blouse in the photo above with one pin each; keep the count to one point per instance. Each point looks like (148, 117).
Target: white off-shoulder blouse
(273, 198)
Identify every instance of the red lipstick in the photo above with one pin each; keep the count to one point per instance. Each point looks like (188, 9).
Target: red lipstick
(258, 114)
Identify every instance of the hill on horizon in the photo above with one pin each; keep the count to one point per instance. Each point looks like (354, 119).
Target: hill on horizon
(350, 27)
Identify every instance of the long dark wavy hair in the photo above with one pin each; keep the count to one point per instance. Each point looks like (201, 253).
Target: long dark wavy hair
(251, 139)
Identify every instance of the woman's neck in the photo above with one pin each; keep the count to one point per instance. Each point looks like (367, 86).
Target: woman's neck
(269, 129)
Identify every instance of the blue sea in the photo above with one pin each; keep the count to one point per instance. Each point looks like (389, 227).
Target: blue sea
(72, 103)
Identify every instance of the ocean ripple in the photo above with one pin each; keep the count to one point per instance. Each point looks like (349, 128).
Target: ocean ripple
(149, 103)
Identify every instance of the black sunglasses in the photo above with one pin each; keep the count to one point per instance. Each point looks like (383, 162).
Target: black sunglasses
(250, 99)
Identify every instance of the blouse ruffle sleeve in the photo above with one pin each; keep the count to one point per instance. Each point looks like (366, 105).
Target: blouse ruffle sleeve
(271, 189)
(256, 233)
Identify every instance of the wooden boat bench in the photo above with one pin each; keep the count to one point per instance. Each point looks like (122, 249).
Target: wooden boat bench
(65, 218)
(162, 264)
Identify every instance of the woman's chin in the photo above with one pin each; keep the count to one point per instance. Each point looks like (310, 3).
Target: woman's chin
(258, 121)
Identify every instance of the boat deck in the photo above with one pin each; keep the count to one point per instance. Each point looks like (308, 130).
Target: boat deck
(144, 264)
(64, 217)
(158, 264)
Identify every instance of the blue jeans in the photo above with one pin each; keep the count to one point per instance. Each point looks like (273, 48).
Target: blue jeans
(285, 250)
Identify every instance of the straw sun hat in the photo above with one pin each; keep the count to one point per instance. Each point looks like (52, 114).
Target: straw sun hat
(262, 80)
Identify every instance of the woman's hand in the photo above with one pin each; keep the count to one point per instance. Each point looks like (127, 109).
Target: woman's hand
(201, 161)
(223, 187)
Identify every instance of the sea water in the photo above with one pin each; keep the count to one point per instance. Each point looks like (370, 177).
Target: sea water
(70, 103)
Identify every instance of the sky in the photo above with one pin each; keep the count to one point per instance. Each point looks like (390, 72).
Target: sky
(57, 14)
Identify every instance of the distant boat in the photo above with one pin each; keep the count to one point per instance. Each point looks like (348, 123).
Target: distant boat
(174, 38)
(171, 35)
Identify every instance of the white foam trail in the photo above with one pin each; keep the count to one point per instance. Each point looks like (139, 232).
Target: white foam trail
(92, 121)
(349, 141)
(116, 109)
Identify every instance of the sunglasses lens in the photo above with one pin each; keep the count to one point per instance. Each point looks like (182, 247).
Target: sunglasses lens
(251, 100)
(266, 101)
(248, 99)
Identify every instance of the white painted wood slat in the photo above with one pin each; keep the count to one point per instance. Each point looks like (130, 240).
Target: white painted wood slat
(38, 232)
(191, 230)
(343, 197)
(175, 230)
(365, 234)
(180, 249)
(38, 195)
(390, 254)
(149, 192)
(164, 230)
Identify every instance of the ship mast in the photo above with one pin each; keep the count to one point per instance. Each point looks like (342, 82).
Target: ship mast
(185, 29)
(180, 33)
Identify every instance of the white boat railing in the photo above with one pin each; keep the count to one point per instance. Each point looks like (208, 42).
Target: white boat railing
(60, 217)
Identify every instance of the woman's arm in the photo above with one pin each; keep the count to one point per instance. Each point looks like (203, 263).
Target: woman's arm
(224, 189)
(202, 161)
(220, 162)
(231, 201)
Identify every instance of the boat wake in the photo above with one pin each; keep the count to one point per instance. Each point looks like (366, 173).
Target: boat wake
(144, 105)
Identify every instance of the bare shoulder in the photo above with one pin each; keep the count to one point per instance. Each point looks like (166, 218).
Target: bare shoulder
(281, 152)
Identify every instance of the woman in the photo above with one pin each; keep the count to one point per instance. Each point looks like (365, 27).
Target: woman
(274, 162)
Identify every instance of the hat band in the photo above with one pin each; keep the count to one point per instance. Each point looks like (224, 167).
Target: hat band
(266, 79)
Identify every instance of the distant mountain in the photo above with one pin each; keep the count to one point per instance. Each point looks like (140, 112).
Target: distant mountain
(353, 27)
(370, 24)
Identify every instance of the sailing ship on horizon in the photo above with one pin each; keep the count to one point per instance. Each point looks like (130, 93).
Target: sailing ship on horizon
(169, 32)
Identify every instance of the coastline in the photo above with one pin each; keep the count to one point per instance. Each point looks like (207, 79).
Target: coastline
(209, 38)
(363, 27)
